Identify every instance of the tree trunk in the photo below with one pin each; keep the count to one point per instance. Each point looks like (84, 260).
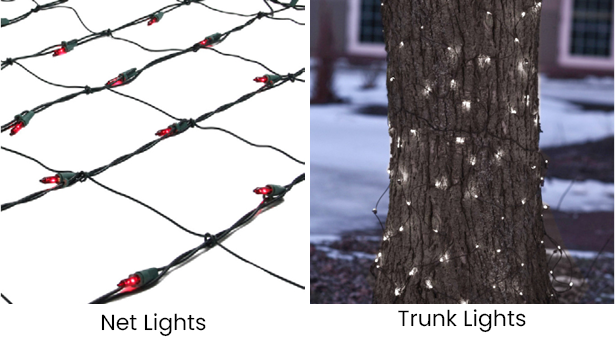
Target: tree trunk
(465, 213)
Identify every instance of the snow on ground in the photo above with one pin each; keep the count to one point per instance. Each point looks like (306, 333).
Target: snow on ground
(350, 151)
(583, 196)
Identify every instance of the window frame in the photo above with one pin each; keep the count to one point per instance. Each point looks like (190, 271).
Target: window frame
(565, 58)
(354, 46)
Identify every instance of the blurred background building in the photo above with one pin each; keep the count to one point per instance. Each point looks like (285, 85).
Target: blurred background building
(576, 36)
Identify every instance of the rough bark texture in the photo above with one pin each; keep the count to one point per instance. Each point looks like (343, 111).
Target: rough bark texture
(464, 222)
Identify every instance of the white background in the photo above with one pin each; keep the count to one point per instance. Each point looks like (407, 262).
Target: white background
(76, 244)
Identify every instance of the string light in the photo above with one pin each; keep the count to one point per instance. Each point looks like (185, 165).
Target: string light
(484, 60)
(428, 284)
(413, 271)
(516, 40)
(460, 140)
(522, 14)
(466, 104)
(513, 111)
(392, 78)
(155, 18)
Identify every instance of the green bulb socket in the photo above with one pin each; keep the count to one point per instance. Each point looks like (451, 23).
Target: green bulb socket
(147, 275)
(69, 46)
(24, 117)
(5, 22)
(214, 38)
(65, 177)
(272, 79)
(158, 16)
(276, 190)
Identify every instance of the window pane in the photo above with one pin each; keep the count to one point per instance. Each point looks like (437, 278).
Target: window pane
(591, 27)
(371, 22)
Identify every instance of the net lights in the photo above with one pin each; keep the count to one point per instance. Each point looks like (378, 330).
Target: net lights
(269, 79)
(270, 191)
(154, 18)
(175, 129)
(21, 121)
(139, 279)
(211, 40)
(66, 47)
(62, 179)
(122, 78)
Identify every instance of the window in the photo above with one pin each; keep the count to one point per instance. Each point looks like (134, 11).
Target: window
(591, 27)
(371, 22)
(586, 34)
(364, 29)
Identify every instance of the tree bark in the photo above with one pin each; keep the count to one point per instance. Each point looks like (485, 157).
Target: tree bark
(465, 213)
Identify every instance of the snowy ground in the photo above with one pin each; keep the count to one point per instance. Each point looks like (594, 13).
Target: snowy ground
(350, 151)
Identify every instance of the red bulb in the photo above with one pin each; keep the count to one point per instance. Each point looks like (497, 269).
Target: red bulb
(206, 43)
(264, 79)
(132, 281)
(263, 190)
(51, 180)
(115, 81)
(59, 52)
(164, 132)
(17, 128)
(152, 21)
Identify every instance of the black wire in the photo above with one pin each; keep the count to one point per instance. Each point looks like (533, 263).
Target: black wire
(263, 269)
(30, 158)
(102, 299)
(4, 297)
(145, 48)
(145, 103)
(45, 81)
(244, 59)
(146, 206)
(78, 17)
(252, 144)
